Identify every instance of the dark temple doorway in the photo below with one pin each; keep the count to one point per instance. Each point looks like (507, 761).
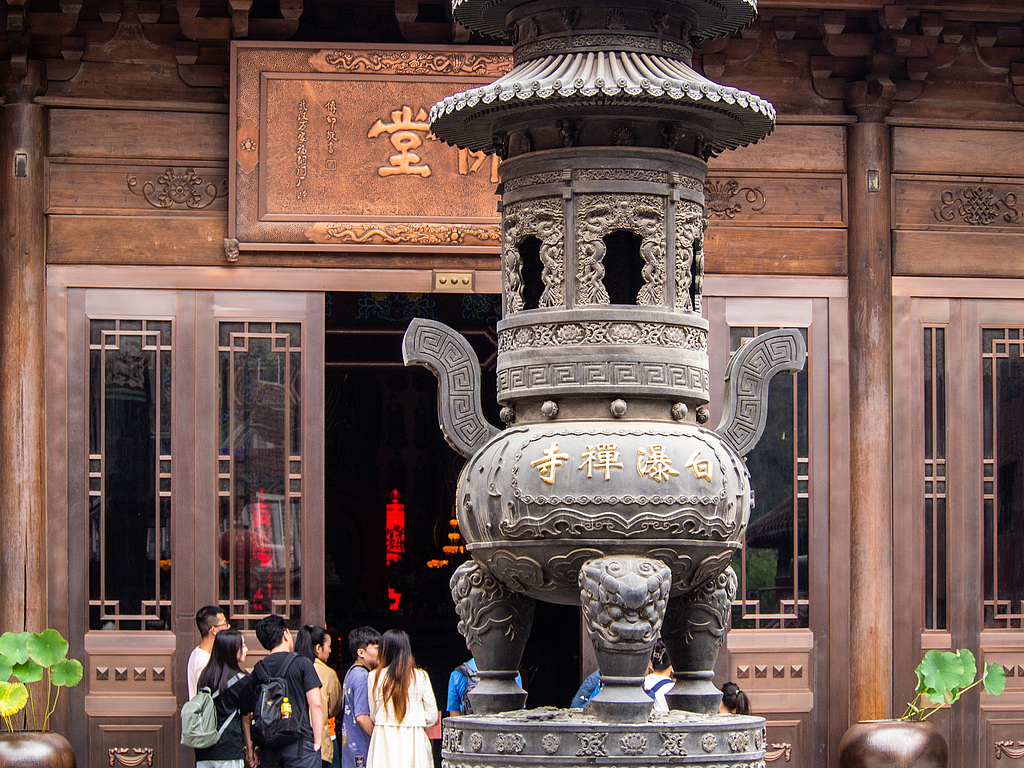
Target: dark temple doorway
(385, 566)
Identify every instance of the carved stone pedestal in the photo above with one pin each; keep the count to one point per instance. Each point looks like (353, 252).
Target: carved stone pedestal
(694, 629)
(548, 737)
(496, 624)
(624, 600)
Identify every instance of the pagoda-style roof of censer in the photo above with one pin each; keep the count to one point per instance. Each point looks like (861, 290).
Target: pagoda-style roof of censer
(603, 61)
(714, 17)
(665, 86)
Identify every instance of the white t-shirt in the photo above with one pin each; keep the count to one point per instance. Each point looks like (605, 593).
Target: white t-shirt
(664, 683)
(196, 664)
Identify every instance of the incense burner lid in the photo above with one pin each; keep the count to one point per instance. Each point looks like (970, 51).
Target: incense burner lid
(574, 83)
(715, 17)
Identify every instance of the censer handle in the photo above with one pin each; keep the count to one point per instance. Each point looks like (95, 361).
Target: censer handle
(450, 357)
(747, 377)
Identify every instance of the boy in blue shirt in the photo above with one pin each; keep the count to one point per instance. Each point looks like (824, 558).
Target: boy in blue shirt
(356, 725)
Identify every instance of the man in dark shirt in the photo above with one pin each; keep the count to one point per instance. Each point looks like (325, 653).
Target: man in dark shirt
(303, 694)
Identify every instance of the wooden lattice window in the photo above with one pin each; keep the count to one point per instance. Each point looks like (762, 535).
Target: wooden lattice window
(935, 521)
(260, 469)
(1003, 476)
(774, 563)
(129, 470)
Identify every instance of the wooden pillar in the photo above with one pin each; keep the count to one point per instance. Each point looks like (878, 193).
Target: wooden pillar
(22, 332)
(870, 303)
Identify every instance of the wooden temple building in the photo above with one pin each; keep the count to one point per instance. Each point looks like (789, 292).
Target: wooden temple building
(218, 216)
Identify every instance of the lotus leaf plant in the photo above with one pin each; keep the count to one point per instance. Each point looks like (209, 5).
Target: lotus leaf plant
(27, 657)
(943, 677)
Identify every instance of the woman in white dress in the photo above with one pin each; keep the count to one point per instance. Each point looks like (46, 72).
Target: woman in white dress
(402, 705)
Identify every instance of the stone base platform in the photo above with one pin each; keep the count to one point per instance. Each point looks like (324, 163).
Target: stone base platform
(548, 737)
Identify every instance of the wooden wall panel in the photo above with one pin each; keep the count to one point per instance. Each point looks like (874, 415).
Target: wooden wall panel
(790, 148)
(138, 134)
(110, 186)
(775, 251)
(970, 203)
(963, 254)
(776, 200)
(136, 240)
(955, 152)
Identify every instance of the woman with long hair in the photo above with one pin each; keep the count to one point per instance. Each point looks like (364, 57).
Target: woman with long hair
(402, 706)
(734, 701)
(315, 644)
(224, 676)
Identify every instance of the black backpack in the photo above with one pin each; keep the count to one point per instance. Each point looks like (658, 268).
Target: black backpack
(269, 728)
(472, 678)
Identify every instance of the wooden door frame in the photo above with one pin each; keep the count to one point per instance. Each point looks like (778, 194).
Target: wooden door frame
(69, 311)
(826, 313)
(963, 307)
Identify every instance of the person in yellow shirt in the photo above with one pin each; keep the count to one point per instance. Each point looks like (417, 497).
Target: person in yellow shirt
(315, 643)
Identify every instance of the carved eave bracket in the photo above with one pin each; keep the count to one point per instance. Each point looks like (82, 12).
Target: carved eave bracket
(750, 371)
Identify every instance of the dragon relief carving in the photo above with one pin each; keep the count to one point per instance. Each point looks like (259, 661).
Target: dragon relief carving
(412, 63)
(624, 600)
(484, 605)
(689, 272)
(542, 219)
(600, 215)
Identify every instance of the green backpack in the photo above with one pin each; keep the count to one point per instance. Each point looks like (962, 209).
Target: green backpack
(199, 718)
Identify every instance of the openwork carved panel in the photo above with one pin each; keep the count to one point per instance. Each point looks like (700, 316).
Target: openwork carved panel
(544, 220)
(597, 216)
(689, 271)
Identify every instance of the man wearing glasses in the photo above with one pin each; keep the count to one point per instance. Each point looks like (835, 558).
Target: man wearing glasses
(210, 620)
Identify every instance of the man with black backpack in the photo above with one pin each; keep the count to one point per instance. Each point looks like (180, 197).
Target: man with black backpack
(288, 715)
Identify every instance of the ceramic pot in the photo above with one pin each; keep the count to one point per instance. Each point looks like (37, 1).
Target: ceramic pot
(35, 749)
(878, 743)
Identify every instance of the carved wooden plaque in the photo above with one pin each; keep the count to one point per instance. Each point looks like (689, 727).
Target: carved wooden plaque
(332, 150)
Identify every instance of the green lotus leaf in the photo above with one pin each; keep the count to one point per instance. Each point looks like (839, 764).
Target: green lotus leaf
(942, 671)
(47, 648)
(994, 679)
(6, 668)
(970, 667)
(13, 698)
(66, 672)
(13, 647)
(28, 672)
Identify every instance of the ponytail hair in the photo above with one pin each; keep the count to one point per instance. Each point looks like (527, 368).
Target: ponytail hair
(735, 700)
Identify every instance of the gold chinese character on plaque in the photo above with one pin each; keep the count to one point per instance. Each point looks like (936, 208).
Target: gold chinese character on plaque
(404, 132)
(602, 456)
(479, 158)
(654, 463)
(549, 462)
(701, 467)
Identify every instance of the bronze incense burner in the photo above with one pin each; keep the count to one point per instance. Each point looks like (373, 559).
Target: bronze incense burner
(605, 488)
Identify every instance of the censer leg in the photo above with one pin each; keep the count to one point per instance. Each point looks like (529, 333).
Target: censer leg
(694, 630)
(624, 600)
(496, 623)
